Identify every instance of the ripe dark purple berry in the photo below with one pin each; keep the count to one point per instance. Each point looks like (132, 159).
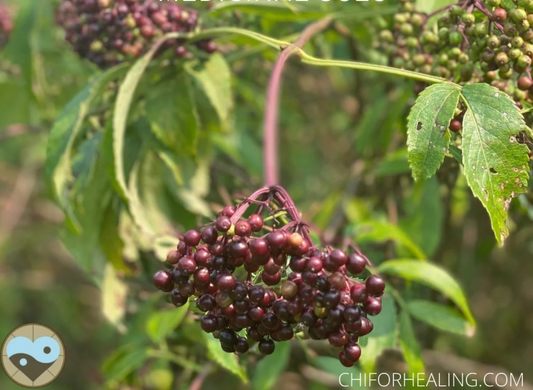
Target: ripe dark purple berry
(226, 282)
(256, 294)
(228, 211)
(358, 292)
(242, 346)
(289, 289)
(375, 285)
(366, 327)
(372, 306)
(209, 235)
(356, 264)
(209, 323)
(277, 239)
(206, 302)
(338, 258)
(345, 361)
(271, 280)
(352, 352)
(266, 346)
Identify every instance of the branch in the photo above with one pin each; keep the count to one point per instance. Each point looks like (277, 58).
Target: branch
(199, 380)
(272, 101)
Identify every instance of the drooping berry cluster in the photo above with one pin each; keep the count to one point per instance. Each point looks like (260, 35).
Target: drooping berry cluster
(472, 41)
(261, 280)
(6, 25)
(108, 32)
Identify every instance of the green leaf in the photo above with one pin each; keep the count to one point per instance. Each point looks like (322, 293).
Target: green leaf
(424, 215)
(382, 337)
(172, 115)
(65, 130)
(456, 153)
(427, 128)
(428, 6)
(114, 294)
(268, 9)
(214, 77)
(163, 245)
(124, 361)
(432, 276)
(495, 164)
(225, 360)
(160, 324)
(122, 108)
(269, 369)
(440, 317)
(333, 367)
(378, 231)
(409, 344)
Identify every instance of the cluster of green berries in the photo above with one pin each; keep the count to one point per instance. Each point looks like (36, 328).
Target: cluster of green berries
(108, 32)
(6, 25)
(260, 281)
(472, 41)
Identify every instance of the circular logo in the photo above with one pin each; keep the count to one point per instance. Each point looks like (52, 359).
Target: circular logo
(33, 355)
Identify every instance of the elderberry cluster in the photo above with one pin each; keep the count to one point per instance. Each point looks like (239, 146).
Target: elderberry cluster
(472, 41)
(6, 25)
(108, 32)
(262, 284)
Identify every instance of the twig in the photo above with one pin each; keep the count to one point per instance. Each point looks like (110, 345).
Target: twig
(272, 101)
(199, 380)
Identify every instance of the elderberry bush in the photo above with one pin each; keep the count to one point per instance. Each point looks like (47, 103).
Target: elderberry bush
(108, 32)
(472, 41)
(260, 279)
(6, 25)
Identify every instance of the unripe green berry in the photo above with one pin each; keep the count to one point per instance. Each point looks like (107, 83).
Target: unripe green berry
(455, 52)
(524, 61)
(97, 46)
(527, 35)
(443, 34)
(398, 62)
(481, 29)
(417, 20)
(419, 60)
(523, 25)
(407, 29)
(466, 72)
(501, 58)
(411, 42)
(519, 95)
(444, 21)
(456, 10)
(443, 59)
(428, 37)
(517, 42)
(494, 41)
(490, 76)
(386, 36)
(463, 58)
(506, 75)
(452, 65)
(509, 29)
(455, 38)
(517, 15)
(400, 18)
(468, 19)
(515, 54)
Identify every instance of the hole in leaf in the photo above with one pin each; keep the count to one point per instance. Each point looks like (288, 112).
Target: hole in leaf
(493, 171)
(419, 126)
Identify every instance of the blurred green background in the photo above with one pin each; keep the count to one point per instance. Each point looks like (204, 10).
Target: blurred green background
(344, 161)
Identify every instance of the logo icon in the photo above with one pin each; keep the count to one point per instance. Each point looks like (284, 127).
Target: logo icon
(33, 355)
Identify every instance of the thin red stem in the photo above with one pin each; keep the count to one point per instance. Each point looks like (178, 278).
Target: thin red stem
(271, 165)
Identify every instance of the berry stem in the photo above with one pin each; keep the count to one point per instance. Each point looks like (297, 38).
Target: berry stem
(271, 174)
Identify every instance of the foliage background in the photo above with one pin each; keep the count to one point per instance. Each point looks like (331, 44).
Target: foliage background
(343, 159)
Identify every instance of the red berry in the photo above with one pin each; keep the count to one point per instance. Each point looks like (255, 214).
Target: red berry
(358, 292)
(256, 222)
(524, 83)
(163, 281)
(228, 211)
(192, 238)
(366, 327)
(455, 125)
(187, 266)
(352, 352)
(338, 258)
(173, 257)
(345, 361)
(372, 306)
(223, 223)
(271, 280)
(243, 228)
(226, 282)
